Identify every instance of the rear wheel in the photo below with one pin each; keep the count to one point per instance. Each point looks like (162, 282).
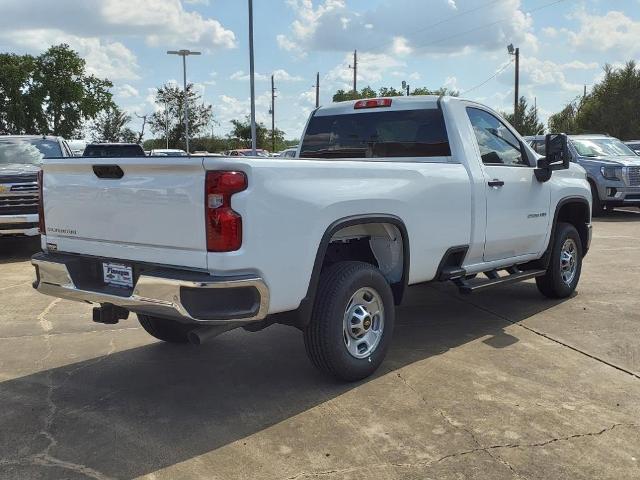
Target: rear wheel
(166, 330)
(565, 266)
(352, 321)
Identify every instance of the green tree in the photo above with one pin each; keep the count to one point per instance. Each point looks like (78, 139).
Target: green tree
(440, 92)
(171, 99)
(366, 92)
(240, 136)
(20, 111)
(613, 106)
(68, 96)
(49, 94)
(527, 121)
(390, 92)
(111, 126)
(565, 120)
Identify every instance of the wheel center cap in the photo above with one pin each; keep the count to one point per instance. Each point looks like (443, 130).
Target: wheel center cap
(367, 323)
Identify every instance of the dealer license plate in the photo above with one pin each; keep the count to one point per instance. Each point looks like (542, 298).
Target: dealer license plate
(117, 274)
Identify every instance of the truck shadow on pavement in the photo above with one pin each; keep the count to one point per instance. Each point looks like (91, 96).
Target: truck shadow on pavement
(13, 250)
(138, 410)
(629, 215)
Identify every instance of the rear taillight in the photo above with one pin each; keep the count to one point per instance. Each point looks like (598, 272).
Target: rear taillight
(41, 224)
(224, 226)
(373, 103)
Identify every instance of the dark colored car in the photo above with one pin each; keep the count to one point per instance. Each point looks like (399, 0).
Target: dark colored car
(114, 150)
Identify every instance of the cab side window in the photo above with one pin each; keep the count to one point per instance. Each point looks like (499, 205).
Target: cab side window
(498, 146)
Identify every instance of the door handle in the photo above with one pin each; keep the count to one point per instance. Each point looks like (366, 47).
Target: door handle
(495, 183)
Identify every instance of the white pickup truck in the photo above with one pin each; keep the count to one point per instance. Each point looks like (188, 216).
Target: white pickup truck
(386, 193)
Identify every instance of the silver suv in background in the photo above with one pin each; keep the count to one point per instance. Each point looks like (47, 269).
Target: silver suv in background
(634, 145)
(613, 169)
(20, 158)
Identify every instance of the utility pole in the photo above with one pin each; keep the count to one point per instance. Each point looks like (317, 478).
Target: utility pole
(252, 76)
(184, 54)
(273, 115)
(355, 71)
(317, 90)
(516, 100)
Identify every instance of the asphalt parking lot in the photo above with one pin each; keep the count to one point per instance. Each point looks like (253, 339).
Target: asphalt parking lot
(501, 385)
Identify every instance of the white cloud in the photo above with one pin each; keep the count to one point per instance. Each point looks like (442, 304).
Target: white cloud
(612, 31)
(279, 75)
(127, 91)
(401, 46)
(159, 22)
(104, 58)
(546, 73)
(372, 68)
(331, 25)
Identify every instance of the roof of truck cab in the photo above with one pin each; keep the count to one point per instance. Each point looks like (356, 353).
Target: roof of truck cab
(412, 102)
(29, 137)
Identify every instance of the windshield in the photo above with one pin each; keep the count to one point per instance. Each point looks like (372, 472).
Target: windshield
(28, 151)
(377, 134)
(601, 147)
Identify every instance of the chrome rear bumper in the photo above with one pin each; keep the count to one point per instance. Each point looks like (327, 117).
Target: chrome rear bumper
(174, 294)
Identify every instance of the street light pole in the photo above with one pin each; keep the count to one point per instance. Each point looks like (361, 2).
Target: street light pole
(252, 77)
(184, 54)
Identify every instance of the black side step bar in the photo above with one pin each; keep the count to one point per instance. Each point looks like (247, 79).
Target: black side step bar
(494, 279)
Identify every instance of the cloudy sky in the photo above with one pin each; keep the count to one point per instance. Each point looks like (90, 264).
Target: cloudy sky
(455, 43)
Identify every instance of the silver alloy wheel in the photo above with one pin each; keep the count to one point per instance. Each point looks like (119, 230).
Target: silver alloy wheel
(568, 261)
(363, 322)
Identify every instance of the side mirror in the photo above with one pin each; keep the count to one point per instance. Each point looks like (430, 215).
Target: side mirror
(557, 156)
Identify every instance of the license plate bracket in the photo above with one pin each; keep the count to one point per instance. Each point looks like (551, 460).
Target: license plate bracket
(117, 274)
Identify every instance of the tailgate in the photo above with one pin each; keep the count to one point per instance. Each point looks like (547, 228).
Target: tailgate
(153, 213)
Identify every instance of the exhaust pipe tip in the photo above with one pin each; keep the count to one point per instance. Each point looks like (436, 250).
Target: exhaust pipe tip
(200, 335)
(194, 338)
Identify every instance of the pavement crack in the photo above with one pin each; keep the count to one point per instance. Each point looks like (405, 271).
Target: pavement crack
(45, 460)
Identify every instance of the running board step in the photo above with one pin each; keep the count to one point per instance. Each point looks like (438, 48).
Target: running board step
(466, 287)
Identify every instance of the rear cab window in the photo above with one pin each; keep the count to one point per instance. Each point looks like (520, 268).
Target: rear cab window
(114, 151)
(419, 133)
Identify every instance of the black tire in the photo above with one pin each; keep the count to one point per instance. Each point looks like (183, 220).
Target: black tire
(324, 337)
(166, 330)
(552, 284)
(597, 208)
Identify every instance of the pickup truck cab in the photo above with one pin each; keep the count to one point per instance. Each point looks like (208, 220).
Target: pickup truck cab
(384, 194)
(20, 158)
(613, 169)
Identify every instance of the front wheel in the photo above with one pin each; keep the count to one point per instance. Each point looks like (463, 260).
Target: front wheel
(352, 321)
(565, 266)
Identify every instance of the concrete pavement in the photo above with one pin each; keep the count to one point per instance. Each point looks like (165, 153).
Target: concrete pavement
(501, 385)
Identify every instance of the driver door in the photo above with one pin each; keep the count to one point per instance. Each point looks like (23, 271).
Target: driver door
(517, 203)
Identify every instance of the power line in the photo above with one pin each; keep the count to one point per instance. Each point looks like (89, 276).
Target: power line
(440, 40)
(498, 72)
(444, 20)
